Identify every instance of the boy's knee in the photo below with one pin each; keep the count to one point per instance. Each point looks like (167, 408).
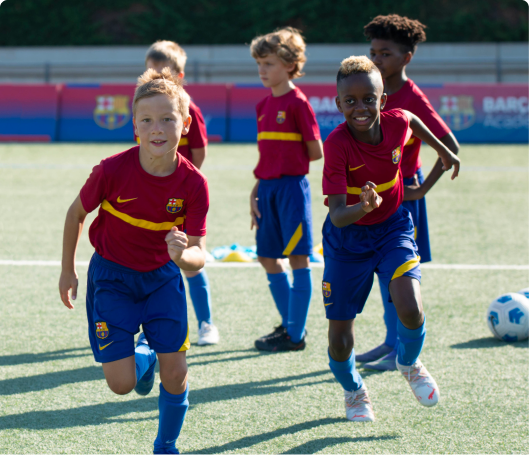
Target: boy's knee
(174, 378)
(411, 318)
(121, 386)
(340, 346)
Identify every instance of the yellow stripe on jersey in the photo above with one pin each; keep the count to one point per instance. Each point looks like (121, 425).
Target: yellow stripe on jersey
(294, 240)
(406, 267)
(142, 223)
(378, 189)
(410, 141)
(273, 136)
(184, 141)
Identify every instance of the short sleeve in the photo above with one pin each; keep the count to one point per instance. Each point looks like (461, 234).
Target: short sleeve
(433, 121)
(334, 169)
(197, 209)
(198, 135)
(306, 122)
(95, 189)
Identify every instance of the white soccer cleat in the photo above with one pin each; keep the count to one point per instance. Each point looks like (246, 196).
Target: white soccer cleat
(421, 382)
(358, 407)
(207, 334)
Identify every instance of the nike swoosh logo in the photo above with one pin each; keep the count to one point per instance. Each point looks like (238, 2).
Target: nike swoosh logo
(103, 347)
(351, 168)
(125, 200)
(260, 118)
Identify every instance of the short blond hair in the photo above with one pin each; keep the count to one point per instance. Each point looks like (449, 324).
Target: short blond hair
(287, 43)
(170, 52)
(354, 65)
(152, 83)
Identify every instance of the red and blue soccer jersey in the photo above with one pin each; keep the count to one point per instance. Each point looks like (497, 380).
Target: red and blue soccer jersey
(284, 124)
(349, 164)
(197, 137)
(137, 209)
(411, 98)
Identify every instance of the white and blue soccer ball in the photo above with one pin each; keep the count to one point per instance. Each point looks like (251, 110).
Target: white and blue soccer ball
(508, 316)
(525, 292)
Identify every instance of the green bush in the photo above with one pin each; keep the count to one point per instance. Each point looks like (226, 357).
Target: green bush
(64, 22)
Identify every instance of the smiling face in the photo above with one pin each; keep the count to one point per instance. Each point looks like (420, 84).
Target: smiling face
(272, 71)
(389, 57)
(360, 98)
(159, 125)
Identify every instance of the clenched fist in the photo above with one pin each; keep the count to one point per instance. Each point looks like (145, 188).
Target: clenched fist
(176, 243)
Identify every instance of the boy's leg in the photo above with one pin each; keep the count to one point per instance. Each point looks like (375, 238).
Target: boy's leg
(173, 402)
(279, 285)
(300, 296)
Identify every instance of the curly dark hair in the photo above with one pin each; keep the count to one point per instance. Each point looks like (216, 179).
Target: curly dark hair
(401, 30)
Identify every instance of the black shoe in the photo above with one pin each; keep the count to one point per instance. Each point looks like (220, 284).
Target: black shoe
(278, 331)
(278, 343)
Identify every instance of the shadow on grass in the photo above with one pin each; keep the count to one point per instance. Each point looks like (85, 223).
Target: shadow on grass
(98, 414)
(489, 342)
(192, 355)
(320, 444)
(49, 380)
(20, 359)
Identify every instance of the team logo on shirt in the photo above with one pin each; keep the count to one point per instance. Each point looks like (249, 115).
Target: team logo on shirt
(326, 288)
(112, 111)
(281, 117)
(174, 205)
(395, 155)
(102, 330)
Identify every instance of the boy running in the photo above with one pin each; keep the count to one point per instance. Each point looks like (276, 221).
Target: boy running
(367, 230)
(147, 197)
(394, 40)
(192, 146)
(280, 203)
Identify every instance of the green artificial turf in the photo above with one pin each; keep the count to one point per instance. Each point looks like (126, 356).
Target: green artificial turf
(53, 396)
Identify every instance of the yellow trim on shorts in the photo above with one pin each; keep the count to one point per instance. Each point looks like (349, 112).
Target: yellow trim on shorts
(273, 136)
(415, 233)
(105, 205)
(294, 240)
(406, 267)
(378, 189)
(187, 343)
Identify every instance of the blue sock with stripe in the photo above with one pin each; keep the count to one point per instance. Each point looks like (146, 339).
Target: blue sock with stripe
(173, 410)
(144, 357)
(201, 297)
(390, 317)
(345, 373)
(279, 285)
(410, 343)
(298, 306)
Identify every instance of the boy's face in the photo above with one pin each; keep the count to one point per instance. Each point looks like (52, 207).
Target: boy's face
(272, 71)
(360, 98)
(159, 65)
(159, 125)
(388, 57)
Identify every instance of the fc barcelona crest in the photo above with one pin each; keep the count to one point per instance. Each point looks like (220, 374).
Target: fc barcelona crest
(281, 117)
(112, 111)
(101, 330)
(458, 111)
(326, 287)
(395, 155)
(174, 205)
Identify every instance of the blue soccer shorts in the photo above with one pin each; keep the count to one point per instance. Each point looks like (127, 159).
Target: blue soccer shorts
(353, 255)
(285, 226)
(119, 300)
(419, 216)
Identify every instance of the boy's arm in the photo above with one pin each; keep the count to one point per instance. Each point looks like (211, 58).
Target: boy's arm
(73, 227)
(187, 252)
(254, 207)
(198, 156)
(415, 192)
(343, 215)
(314, 149)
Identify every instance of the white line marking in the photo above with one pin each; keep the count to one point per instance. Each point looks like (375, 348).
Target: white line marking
(316, 265)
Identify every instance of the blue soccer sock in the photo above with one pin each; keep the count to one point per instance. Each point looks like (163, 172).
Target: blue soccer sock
(173, 410)
(201, 297)
(144, 357)
(410, 343)
(345, 373)
(279, 285)
(390, 317)
(298, 305)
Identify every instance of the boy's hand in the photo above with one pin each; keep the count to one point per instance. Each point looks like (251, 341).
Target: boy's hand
(254, 210)
(176, 243)
(449, 159)
(414, 191)
(68, 280)
(369, 197)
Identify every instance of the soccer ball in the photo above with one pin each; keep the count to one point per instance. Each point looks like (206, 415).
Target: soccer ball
(524, 292)
(508, 317)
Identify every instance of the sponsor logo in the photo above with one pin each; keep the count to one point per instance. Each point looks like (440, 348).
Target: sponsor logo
(395, 155)
(326, 288)
(120, 201)
(103, 347)
(458, 111)
(505, 112)
(261, 117)
(281, 117)
(355, 168)
(102, 330)
(112, 112)
(174, 205)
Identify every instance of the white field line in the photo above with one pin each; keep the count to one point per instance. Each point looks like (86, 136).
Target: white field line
(316, 265)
